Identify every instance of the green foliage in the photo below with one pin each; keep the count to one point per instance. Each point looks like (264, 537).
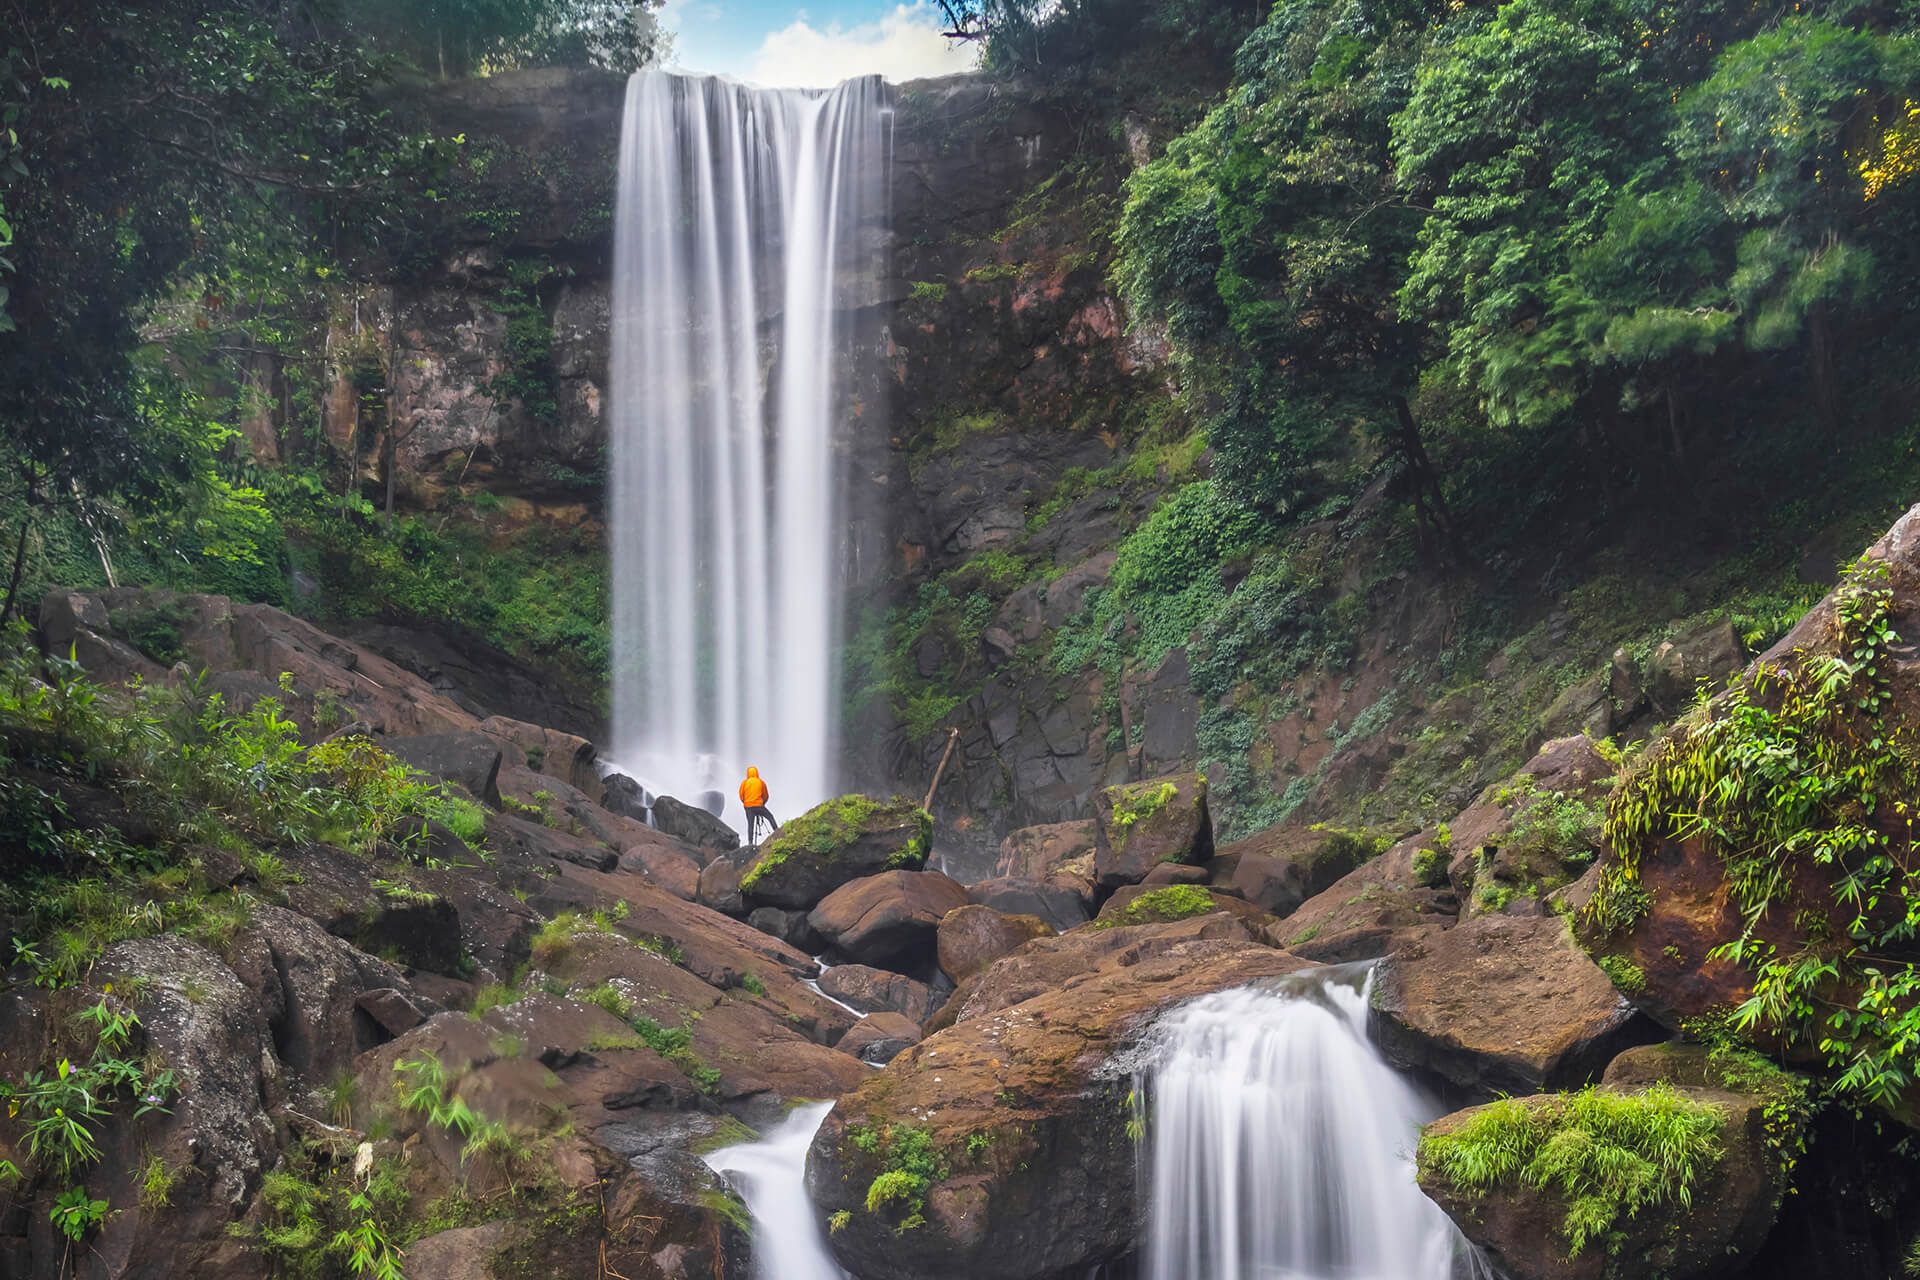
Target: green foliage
(75, 1214)
(925, 291)
(1429, 868)
(319, 1223)
(1137, 803)
(1797, 769)
(1627, 977)
(1165, 582)
(1610, 1155)
(910, 1164)
(61, 1109)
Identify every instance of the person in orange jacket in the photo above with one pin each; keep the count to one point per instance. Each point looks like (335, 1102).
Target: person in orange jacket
(753, 794)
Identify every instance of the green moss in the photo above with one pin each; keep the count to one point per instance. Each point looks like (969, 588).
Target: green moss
(1175, 902)
(910, 1164)
(1610, 1155)
(823, 831)
(1429, 868)
(927, 291)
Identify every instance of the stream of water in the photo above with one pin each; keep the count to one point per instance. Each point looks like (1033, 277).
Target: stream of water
(1280, 1144)
(744, 217)
(770, 1176)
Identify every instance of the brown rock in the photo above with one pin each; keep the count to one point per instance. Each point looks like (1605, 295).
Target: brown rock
(1061, 902)
(665, 867)
(1369, 911)
(1174, 873)
(1278, 870)
(1503, 1004)
(873, 990)
(719, 887)
(879, 1038)
(889, 916)
(972, 937)
(1049, 964)
(1051, 1191)
(1678, 668)
(1034, 853)
(1142, 824)
(562, 756)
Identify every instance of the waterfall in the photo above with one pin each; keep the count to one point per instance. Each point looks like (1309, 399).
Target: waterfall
(1281, 1145)
(771, 1177)
(749, 225)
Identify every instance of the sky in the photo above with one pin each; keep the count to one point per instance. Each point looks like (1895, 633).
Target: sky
(777, 44)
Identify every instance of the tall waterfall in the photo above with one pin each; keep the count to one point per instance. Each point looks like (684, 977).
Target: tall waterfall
(1281, 1144)
(771, 1177)
(748, 222)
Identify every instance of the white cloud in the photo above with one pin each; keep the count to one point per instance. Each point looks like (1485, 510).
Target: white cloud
(904, 44)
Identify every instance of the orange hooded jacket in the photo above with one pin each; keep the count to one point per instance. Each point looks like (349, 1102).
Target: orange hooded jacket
(753, 792)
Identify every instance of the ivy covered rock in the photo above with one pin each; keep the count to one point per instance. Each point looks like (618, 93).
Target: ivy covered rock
(834, 844)
(1142, 824)
(1777, 824)
(1527, 836)
(1608, 1184)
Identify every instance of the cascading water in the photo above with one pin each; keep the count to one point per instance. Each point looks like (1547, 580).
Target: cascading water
(748, 221)
(1281, 1144)
(771, 1177)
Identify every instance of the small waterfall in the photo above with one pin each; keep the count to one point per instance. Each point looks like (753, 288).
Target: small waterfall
(749, 224)
(771, 1177)
(1281, 1145)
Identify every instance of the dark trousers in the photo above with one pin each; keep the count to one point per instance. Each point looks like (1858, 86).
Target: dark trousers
(758, 814)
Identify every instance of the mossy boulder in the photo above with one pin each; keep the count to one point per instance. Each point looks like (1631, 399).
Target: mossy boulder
(1610, 1184)
(834, 844)
(1143, 824)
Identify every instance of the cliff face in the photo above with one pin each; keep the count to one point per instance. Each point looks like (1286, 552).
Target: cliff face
(1000, 364)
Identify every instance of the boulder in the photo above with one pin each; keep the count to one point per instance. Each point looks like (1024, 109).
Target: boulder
(790, 927)
(1142, 824)
(1050, 964)
(1677, 668)
(892, 916)
(511, 833)
(1523, 1229)
(1174, 873)
(972, 937)
(672, 869)
(564, 756)
(719, 887)
(1502, 1004)
(621, 795)
(873, 990)
(470, 759)
(1397, 897)
(695, 826)
(1583, 707)
(1280, 869)
(1034, 853)
(834, 844)
(1062, 905)
(879, 1038)
(1527, 836)
(404, 919)
(1147, 904)
(1025, 1120)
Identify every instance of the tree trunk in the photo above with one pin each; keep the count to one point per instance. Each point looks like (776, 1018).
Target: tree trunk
(1429, 503)
(19, 561)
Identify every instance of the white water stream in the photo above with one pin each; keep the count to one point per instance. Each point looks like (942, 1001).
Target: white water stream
(1280, 1144)
(744, 218)
(771, 1177)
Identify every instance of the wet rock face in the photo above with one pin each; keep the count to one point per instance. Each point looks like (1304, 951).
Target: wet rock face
(972, 937)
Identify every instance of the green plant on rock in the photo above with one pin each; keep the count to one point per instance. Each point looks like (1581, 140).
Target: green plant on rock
(75, 1214)
(910, 1164)
(1627, 977)
(1137, 804)
(1798, 770)
(1610, 1155)
(1158, 906)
